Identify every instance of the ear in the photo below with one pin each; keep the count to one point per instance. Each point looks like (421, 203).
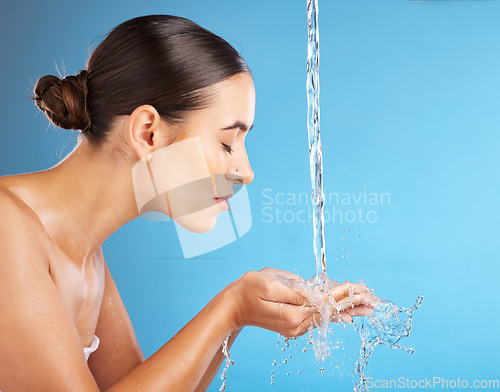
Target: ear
(146, 130)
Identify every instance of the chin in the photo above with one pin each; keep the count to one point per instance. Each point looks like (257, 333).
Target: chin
(200, 221)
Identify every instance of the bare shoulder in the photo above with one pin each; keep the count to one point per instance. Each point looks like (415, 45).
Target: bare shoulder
(18, 222)
(40, 346)
(11, 204)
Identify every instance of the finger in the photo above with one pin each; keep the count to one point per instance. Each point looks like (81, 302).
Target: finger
(314, 297)
(359, 310)
(286, 319)
(346, 316)
(346, 289)
(354, 300)
(310, 322)
(279, 292)
(342, 317)
(317, 318)
(277, 272)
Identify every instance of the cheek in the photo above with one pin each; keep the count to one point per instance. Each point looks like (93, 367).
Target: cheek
(216, 157)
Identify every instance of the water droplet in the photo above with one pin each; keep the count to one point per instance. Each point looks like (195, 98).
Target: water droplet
(283, 349)
(290, 356)
(304, 350)
(299, 372)
(285, 361)
(288, 373)
(274, 363)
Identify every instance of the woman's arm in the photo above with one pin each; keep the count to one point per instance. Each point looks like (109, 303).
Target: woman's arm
(118, 352)
(40, 348)
(257, 299)
(182, 363)
(215, 365)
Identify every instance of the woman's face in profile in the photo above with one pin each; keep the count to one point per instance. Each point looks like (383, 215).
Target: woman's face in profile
(207, 157)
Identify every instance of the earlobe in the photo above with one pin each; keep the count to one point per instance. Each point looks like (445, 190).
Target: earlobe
(144, 125)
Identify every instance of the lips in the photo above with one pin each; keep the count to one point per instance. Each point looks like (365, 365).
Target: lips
(221, 198)
(222, 202)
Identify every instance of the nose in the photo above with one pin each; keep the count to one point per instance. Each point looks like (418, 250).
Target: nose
(247, 174)
(241, 169)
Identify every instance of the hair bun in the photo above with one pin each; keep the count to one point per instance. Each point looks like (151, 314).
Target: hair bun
(64, 100)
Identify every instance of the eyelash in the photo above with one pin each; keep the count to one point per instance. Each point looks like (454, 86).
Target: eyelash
(227, 148)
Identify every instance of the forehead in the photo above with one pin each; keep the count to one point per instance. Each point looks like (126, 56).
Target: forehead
(240, 85)
(233, 100)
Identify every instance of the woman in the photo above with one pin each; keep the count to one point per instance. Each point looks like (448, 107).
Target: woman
(153, 83)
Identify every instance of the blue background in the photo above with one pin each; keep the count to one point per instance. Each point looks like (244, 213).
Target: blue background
(410, 92)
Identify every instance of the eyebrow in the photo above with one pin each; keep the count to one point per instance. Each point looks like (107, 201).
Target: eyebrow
(238, 124)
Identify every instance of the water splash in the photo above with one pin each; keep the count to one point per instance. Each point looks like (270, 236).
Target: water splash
(316, 291)
(315, 152)
(386, 325)
(229, 362)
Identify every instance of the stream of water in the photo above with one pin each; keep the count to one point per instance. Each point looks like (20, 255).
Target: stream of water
(315, 151)
(387, 323)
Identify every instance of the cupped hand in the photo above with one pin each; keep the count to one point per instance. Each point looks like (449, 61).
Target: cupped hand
(350, 299)
(260, 300)
(338, 302)
(282, 302)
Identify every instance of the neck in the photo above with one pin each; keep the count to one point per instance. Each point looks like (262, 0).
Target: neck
(86, 197)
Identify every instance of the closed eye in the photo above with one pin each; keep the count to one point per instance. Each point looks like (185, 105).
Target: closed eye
(227, 148)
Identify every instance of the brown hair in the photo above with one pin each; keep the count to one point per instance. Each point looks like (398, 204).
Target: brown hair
(161, 60)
